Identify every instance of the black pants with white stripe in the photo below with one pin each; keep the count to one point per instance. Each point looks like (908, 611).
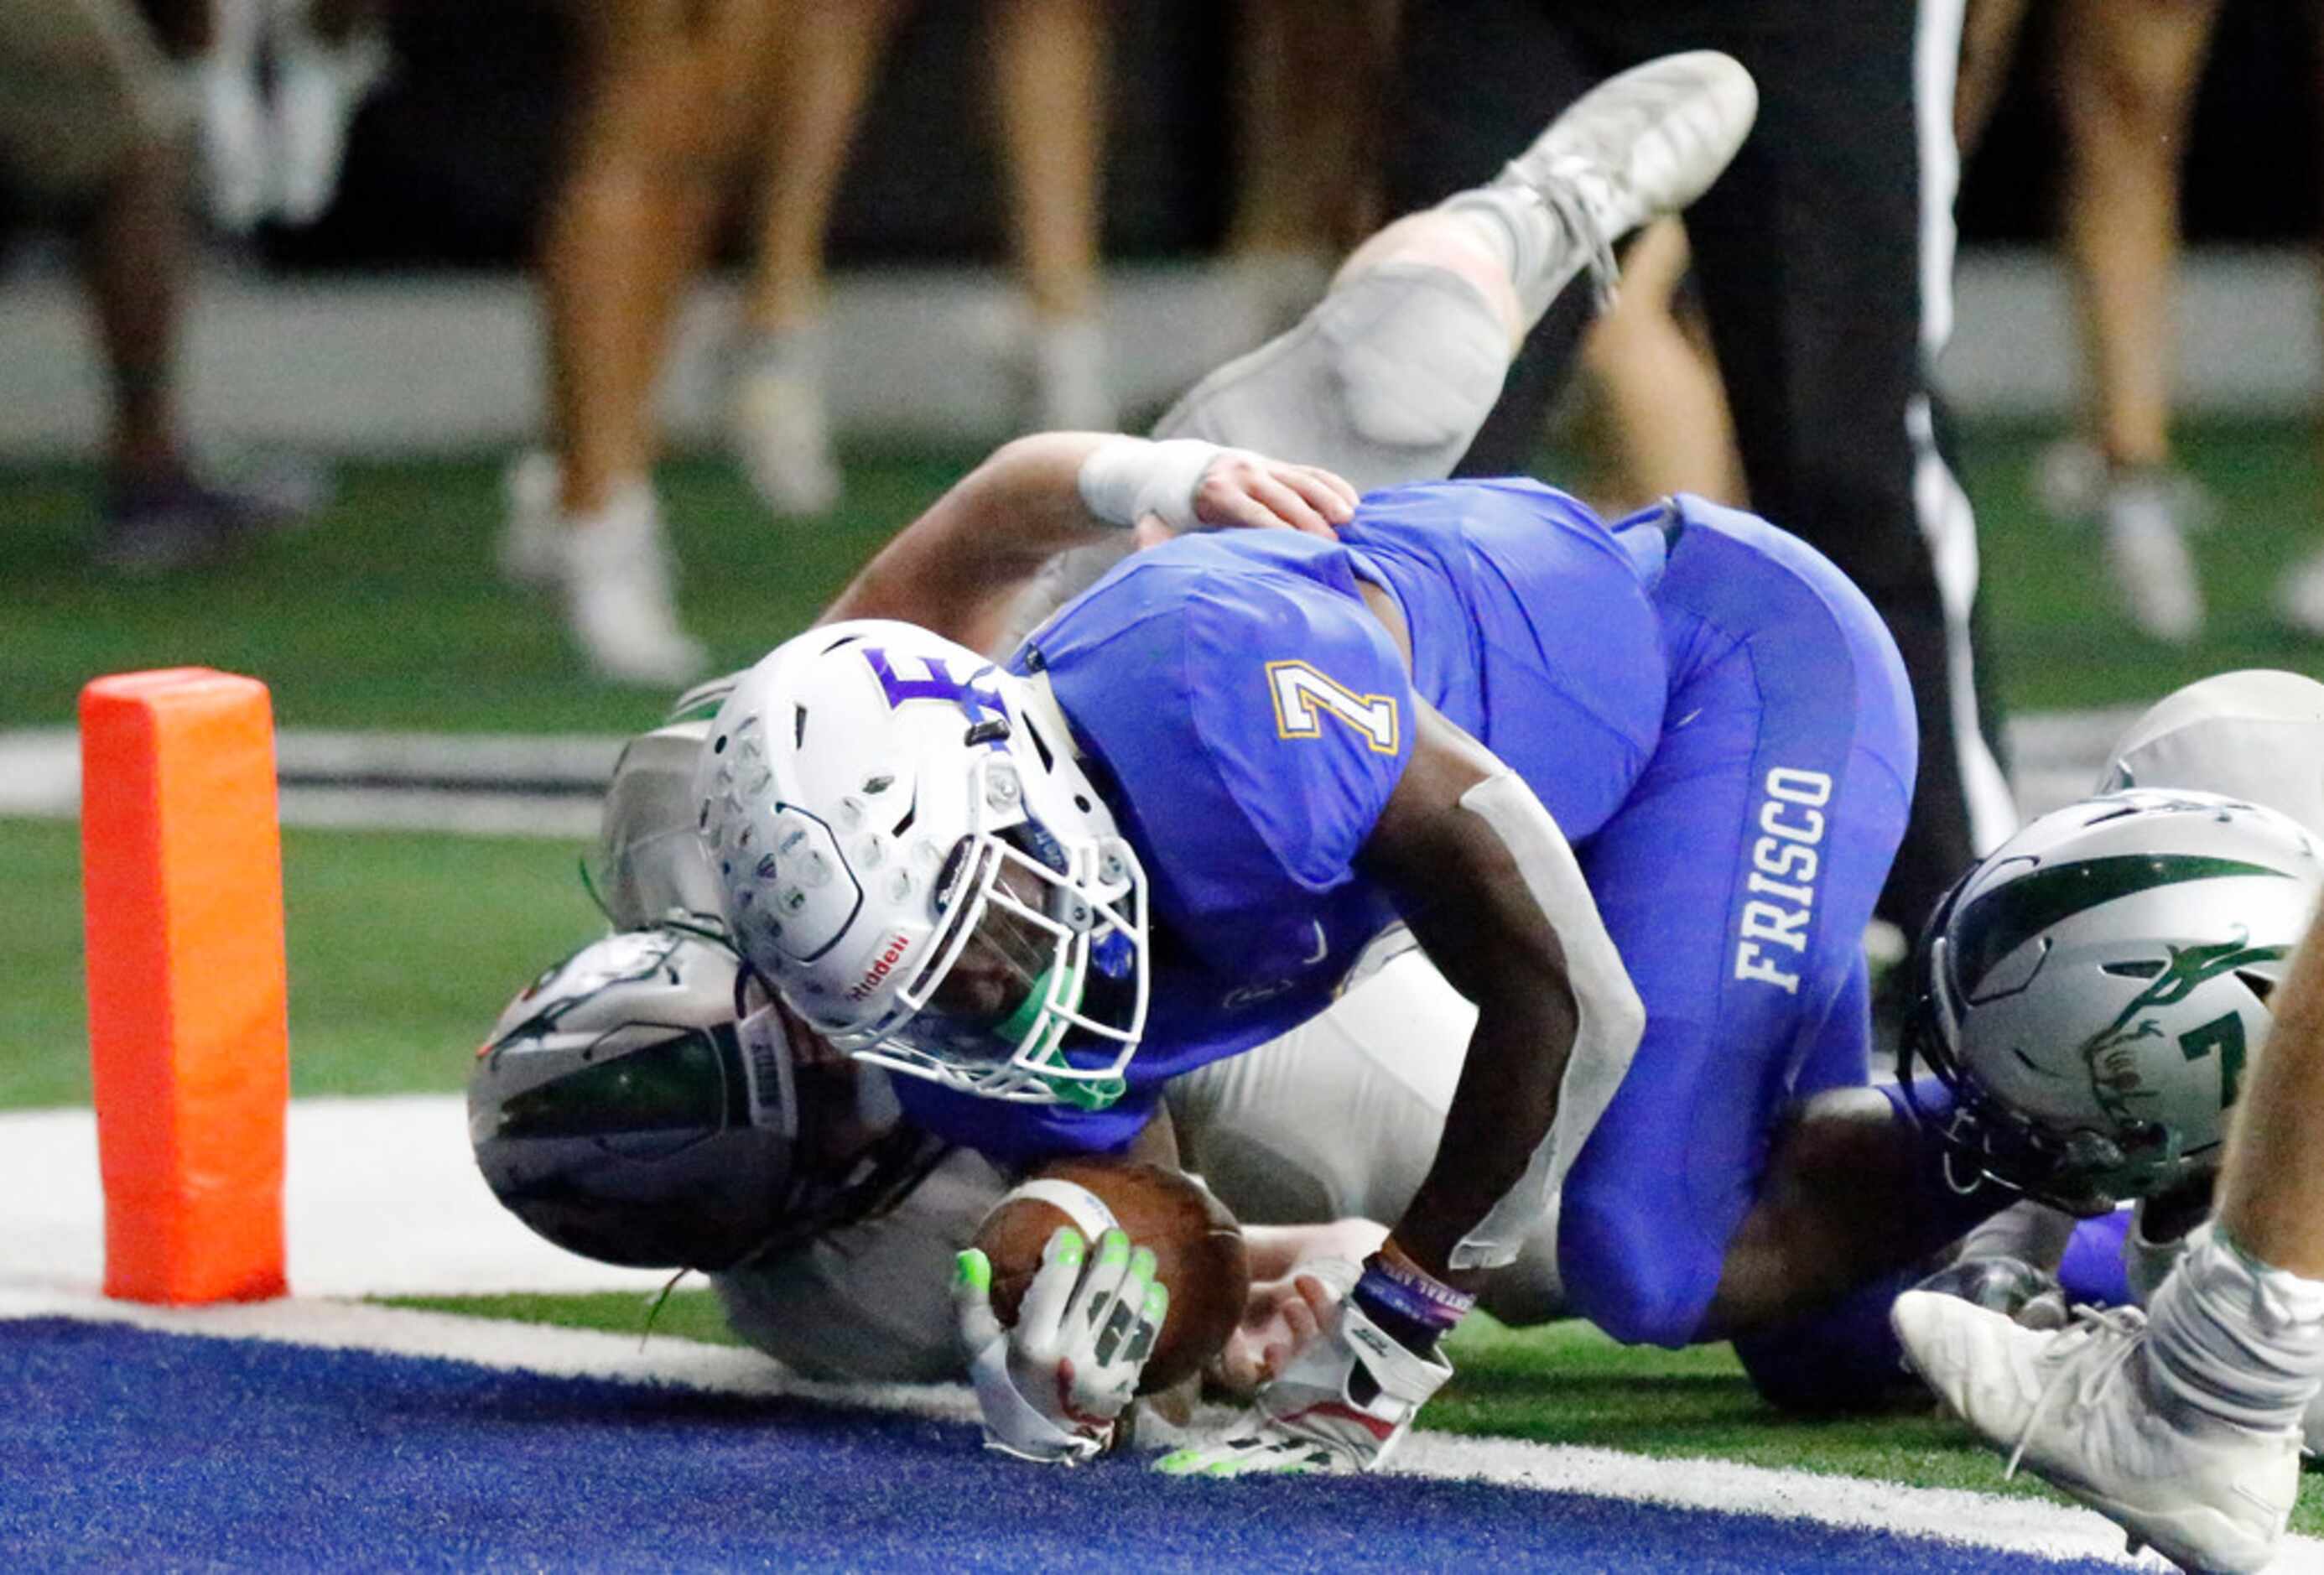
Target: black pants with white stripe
(1809, 253)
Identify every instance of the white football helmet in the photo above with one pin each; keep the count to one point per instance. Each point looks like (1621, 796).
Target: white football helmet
(907, 847)
(2256, 734)
(2093, 990)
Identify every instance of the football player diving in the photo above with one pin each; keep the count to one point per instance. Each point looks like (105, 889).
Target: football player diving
(1631, 787)
(641, 1104)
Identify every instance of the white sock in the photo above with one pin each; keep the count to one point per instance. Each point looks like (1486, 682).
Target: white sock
(1530, 240)
(2235, 1338)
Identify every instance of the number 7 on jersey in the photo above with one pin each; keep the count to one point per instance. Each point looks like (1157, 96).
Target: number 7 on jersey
(1303, 696)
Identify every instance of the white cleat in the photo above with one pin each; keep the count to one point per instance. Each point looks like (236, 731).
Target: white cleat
(2299, 597)
(616, 574)
(2075, 1407)
(1638, 146)
(530, 530)
(777, 423)
(2147, 556)
(238, 151)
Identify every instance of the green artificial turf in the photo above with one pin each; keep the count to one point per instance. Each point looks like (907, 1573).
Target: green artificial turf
(386, 611)
(402, 949)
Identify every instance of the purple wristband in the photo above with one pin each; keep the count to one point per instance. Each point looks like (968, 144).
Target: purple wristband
(1410, 1294)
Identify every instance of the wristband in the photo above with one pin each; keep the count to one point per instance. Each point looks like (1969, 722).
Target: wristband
(1124, 479)
(1410, 1295)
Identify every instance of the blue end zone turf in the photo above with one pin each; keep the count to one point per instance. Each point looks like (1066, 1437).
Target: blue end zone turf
(124, 1448)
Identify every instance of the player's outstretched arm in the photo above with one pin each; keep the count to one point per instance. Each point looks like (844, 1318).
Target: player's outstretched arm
(1491, 891)
(959, 568)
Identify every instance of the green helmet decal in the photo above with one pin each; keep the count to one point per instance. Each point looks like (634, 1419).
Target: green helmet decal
(2004, 919)
(2110, 1052)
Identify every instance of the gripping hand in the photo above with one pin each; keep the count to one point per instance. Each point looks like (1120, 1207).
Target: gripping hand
(1052, 1386)
(1342, 1404)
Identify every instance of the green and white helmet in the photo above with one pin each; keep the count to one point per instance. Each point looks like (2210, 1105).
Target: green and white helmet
(2093, 992)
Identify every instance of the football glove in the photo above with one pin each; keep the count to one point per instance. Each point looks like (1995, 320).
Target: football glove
(1052, 1386)
(1342, 1404)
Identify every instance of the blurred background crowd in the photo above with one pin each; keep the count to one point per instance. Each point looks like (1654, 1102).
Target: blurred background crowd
(579, 236)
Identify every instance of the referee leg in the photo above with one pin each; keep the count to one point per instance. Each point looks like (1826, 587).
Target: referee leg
(1824, 257)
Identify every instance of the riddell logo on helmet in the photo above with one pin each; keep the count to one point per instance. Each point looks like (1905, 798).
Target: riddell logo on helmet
(882, 966)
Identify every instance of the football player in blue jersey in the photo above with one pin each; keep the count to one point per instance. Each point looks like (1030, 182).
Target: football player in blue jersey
(1386, 379)
(1632, 787)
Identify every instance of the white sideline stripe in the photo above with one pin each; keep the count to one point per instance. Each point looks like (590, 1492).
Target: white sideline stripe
(2056, 756)
(381, 1198)
(1946, 1514)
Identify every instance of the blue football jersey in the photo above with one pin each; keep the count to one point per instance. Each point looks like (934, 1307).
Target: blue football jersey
(1247, 717)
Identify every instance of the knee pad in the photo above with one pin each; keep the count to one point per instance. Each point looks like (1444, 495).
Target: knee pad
(1418, 353)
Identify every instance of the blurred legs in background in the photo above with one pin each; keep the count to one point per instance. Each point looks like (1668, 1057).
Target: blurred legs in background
(1661, 420)
(2127, 71)
(1047, 60)
(781, 426)
(1048, 70)
(93, 128)
(670, 92)
(2300, 596)
(280, 85)
(1309, 75)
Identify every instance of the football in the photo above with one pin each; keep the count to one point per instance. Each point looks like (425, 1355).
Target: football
(1198, 1252)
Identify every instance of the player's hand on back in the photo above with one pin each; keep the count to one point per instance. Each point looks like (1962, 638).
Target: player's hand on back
(1242, 490)
(1053, 1385)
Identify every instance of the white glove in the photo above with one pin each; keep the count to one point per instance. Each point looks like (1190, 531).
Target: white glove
(1052, 1386)
(1342, 1404)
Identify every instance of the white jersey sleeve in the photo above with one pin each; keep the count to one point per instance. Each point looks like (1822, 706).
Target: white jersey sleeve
(870, 1302)
(1341, 1118)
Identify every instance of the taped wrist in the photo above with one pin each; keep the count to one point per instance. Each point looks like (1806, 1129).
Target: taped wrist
(1412, 1306)
(1125, 479)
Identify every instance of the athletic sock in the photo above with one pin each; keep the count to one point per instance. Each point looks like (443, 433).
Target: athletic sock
(2235, 1339)
(1532, 242)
